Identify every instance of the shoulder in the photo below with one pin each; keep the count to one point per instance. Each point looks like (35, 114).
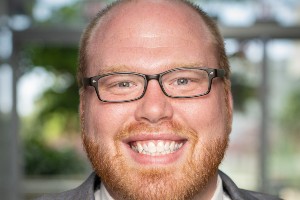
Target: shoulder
(236, 193)
(84, 191)
(258, 195)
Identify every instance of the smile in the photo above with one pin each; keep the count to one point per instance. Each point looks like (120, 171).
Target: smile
(156, 147)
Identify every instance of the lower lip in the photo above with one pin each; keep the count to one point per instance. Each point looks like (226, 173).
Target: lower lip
(156, 160)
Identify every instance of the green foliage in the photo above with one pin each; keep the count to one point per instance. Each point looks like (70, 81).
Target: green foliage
(290, 119)
(241, 92)
(70, 14)
(43, 160)
(56, 116)
(58, 59)
(60, 103)
(62, 98)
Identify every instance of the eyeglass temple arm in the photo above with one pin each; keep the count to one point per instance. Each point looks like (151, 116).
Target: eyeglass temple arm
(220, 73)
(87, 82)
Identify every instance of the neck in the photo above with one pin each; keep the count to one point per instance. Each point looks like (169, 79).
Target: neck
(208, 191)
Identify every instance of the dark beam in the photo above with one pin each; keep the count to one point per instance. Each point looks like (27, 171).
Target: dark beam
(71, 36)
(271, 31)
(3, 8)
(264, 89)
(49, 36)
(16, 7)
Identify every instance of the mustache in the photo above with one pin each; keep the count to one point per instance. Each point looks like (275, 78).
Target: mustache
(172, 127)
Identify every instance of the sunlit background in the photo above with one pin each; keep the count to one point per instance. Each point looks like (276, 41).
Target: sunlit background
(40, 147)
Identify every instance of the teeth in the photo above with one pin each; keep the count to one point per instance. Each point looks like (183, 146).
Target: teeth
(167, 145)
(172, 145)
(140, 148)
(145, 147)
(151, 147)
(160, 147)
(156, 148)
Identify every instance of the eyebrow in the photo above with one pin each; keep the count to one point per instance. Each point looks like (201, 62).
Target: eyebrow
(111, 69)
(125, 68)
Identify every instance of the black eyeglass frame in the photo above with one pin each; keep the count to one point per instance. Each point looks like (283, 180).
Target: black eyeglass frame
(212, 73)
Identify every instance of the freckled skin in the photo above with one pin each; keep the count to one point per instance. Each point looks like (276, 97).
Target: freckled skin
(150, 37)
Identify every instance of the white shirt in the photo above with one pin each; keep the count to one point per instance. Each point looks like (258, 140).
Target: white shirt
(219, 192)
(102, 193)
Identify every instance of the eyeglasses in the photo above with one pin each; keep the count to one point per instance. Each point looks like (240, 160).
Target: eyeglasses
(185, 82)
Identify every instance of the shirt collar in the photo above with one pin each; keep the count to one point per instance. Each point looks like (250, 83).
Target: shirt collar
(102, 193)
(220, 194)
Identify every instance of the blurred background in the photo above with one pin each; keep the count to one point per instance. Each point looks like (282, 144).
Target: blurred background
(40, 146)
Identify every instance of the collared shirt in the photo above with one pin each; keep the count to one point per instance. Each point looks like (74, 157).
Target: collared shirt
(220, 194)
(102, 193)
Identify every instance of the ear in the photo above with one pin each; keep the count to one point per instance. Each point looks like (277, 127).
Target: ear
(81, 103)
(230, 102)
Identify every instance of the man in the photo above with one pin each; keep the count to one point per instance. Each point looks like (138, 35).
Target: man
(155, 104)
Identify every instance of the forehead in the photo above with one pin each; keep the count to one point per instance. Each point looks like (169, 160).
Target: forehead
(152, 24)
(148, 18)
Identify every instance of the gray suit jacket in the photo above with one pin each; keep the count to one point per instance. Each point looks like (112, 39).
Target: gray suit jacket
(86, 191)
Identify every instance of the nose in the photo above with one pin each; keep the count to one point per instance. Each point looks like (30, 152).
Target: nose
(155, 106)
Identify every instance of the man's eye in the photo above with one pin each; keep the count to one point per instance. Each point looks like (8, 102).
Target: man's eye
(182, 81)
(124, 84)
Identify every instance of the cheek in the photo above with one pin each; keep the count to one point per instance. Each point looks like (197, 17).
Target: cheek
(205, 115)
(104, 120)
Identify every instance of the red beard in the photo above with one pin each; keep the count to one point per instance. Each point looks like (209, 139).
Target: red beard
(181, 180)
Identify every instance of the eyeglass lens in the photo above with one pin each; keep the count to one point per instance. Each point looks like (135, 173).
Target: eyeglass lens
(178, 83)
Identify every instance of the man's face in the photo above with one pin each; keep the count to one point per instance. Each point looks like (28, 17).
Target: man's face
(190, 134)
